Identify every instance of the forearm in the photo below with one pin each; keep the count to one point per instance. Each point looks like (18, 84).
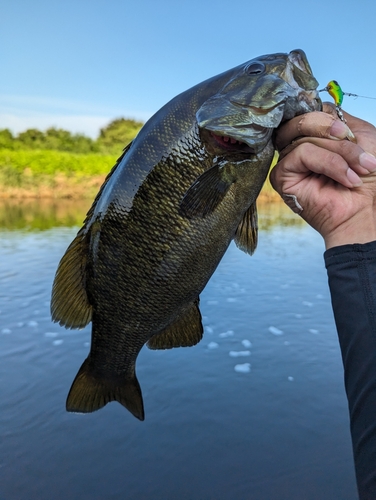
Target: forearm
(352, 281)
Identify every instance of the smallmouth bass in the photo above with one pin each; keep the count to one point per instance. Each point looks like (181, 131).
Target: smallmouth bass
(179, 194)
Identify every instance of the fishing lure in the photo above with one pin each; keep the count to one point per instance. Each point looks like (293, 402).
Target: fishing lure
(334, 89)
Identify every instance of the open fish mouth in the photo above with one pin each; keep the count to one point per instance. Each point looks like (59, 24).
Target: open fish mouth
(229, 143)
(226, 143)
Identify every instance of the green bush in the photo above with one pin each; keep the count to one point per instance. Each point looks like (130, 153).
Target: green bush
(46, 162)
(117, 135)
(111, 140)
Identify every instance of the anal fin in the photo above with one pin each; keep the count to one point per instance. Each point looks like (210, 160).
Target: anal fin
(247, 231)
(186, 331)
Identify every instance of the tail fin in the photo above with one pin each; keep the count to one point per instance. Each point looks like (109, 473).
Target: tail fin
(90, 392)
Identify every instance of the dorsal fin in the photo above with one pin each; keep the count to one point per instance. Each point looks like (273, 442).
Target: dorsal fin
(185, 331)
(70, 305)
(247, 231)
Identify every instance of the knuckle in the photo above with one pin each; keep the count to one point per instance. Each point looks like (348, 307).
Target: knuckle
(315, 124)
(329, 108)
(347, 148)
(306, 149)
(332, 160)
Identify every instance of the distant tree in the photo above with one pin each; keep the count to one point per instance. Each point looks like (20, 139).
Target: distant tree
(6, 139)
(53, 139)
(58, 139)
(112, 139)
(83, 144)
(32, 138)
(62, 140)
(117, 134)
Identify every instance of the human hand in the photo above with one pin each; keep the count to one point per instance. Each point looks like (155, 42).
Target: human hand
(333, 179)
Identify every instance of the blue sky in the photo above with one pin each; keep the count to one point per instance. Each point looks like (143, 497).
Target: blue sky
(79, 64)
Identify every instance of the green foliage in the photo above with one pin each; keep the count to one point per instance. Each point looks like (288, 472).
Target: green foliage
(53, 139)
(6, 139)
(45, 162)
(62, 140)
(34, 159)
(31, 138)
(112, 139)
(117, 134)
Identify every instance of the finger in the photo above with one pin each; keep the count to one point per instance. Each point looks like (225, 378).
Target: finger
(358, 123)
(364, 131)
(330, 109)
(316, 124)
(356, 158)
(308, 159)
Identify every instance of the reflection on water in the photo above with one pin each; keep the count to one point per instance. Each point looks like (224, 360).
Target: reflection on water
(43, 214)
(256, 410)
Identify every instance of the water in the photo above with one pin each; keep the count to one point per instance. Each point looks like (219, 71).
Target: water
(256, 411)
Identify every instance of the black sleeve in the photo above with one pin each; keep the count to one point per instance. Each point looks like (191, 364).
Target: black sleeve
(352, 281)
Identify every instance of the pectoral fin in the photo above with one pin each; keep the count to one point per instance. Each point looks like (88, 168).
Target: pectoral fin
(186, 331)
(246, 233)
(70, 305)
(208, 190)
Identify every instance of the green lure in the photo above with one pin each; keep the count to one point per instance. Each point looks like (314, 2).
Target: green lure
(334, 89)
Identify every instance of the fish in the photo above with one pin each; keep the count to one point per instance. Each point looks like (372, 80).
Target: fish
(182, 190)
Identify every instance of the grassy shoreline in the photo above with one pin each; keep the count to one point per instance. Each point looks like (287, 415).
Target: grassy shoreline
(52, 174)
(59, 175)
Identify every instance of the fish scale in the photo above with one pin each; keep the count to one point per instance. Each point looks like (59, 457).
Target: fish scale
(162, 221)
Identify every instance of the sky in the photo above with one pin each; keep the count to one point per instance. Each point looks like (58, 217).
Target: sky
(79, 64)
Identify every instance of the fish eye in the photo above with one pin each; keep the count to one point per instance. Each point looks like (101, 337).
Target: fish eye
(255, 68)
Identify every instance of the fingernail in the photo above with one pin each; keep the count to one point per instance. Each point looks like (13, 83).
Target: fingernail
(353, 178)
(367, 161)
(351, 137)
(340, 130)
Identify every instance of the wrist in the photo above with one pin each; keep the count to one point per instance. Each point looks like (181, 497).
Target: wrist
(360, 229)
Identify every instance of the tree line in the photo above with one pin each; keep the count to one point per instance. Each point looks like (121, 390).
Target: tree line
(111, 140)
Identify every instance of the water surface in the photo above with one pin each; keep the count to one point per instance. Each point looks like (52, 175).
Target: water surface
(257, 410)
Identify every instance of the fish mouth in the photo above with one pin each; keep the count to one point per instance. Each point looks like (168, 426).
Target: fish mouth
(227, 143)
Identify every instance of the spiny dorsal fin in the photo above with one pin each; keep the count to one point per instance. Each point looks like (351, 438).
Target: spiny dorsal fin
(206, 193)
(70, 305)
(186, 331)
(246, 233)
(91, 391)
